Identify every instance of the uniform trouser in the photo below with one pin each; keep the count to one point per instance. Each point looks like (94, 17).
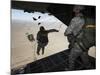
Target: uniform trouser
(76, 51)
(41, 46)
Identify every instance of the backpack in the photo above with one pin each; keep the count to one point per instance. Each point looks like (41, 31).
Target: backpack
(87, 35)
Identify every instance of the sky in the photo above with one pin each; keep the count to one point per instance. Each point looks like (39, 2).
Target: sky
(49, 21)
(21, 15)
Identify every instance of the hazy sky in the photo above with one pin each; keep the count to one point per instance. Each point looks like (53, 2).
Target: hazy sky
(21, 15)
(48, 21)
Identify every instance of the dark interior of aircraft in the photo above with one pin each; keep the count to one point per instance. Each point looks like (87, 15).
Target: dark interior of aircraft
(56, 62)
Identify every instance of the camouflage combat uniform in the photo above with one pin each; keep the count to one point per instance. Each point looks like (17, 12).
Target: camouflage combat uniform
(73, 34)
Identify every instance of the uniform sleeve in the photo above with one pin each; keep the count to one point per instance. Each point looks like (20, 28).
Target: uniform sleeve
(75, 26)
(78, 26)
(69, 28)
(52, 30)
(38, 36)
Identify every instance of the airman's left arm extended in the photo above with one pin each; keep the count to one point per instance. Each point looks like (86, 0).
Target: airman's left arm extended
(52, 30)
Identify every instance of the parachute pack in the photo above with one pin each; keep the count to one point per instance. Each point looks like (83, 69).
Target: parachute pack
(87, 36)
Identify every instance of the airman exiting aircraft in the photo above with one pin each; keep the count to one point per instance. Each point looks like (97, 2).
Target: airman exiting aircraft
(42, 38)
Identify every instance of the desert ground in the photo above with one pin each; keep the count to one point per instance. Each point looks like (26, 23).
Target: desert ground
(23, 51)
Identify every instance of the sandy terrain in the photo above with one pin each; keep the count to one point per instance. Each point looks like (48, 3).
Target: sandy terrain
(23, 51)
